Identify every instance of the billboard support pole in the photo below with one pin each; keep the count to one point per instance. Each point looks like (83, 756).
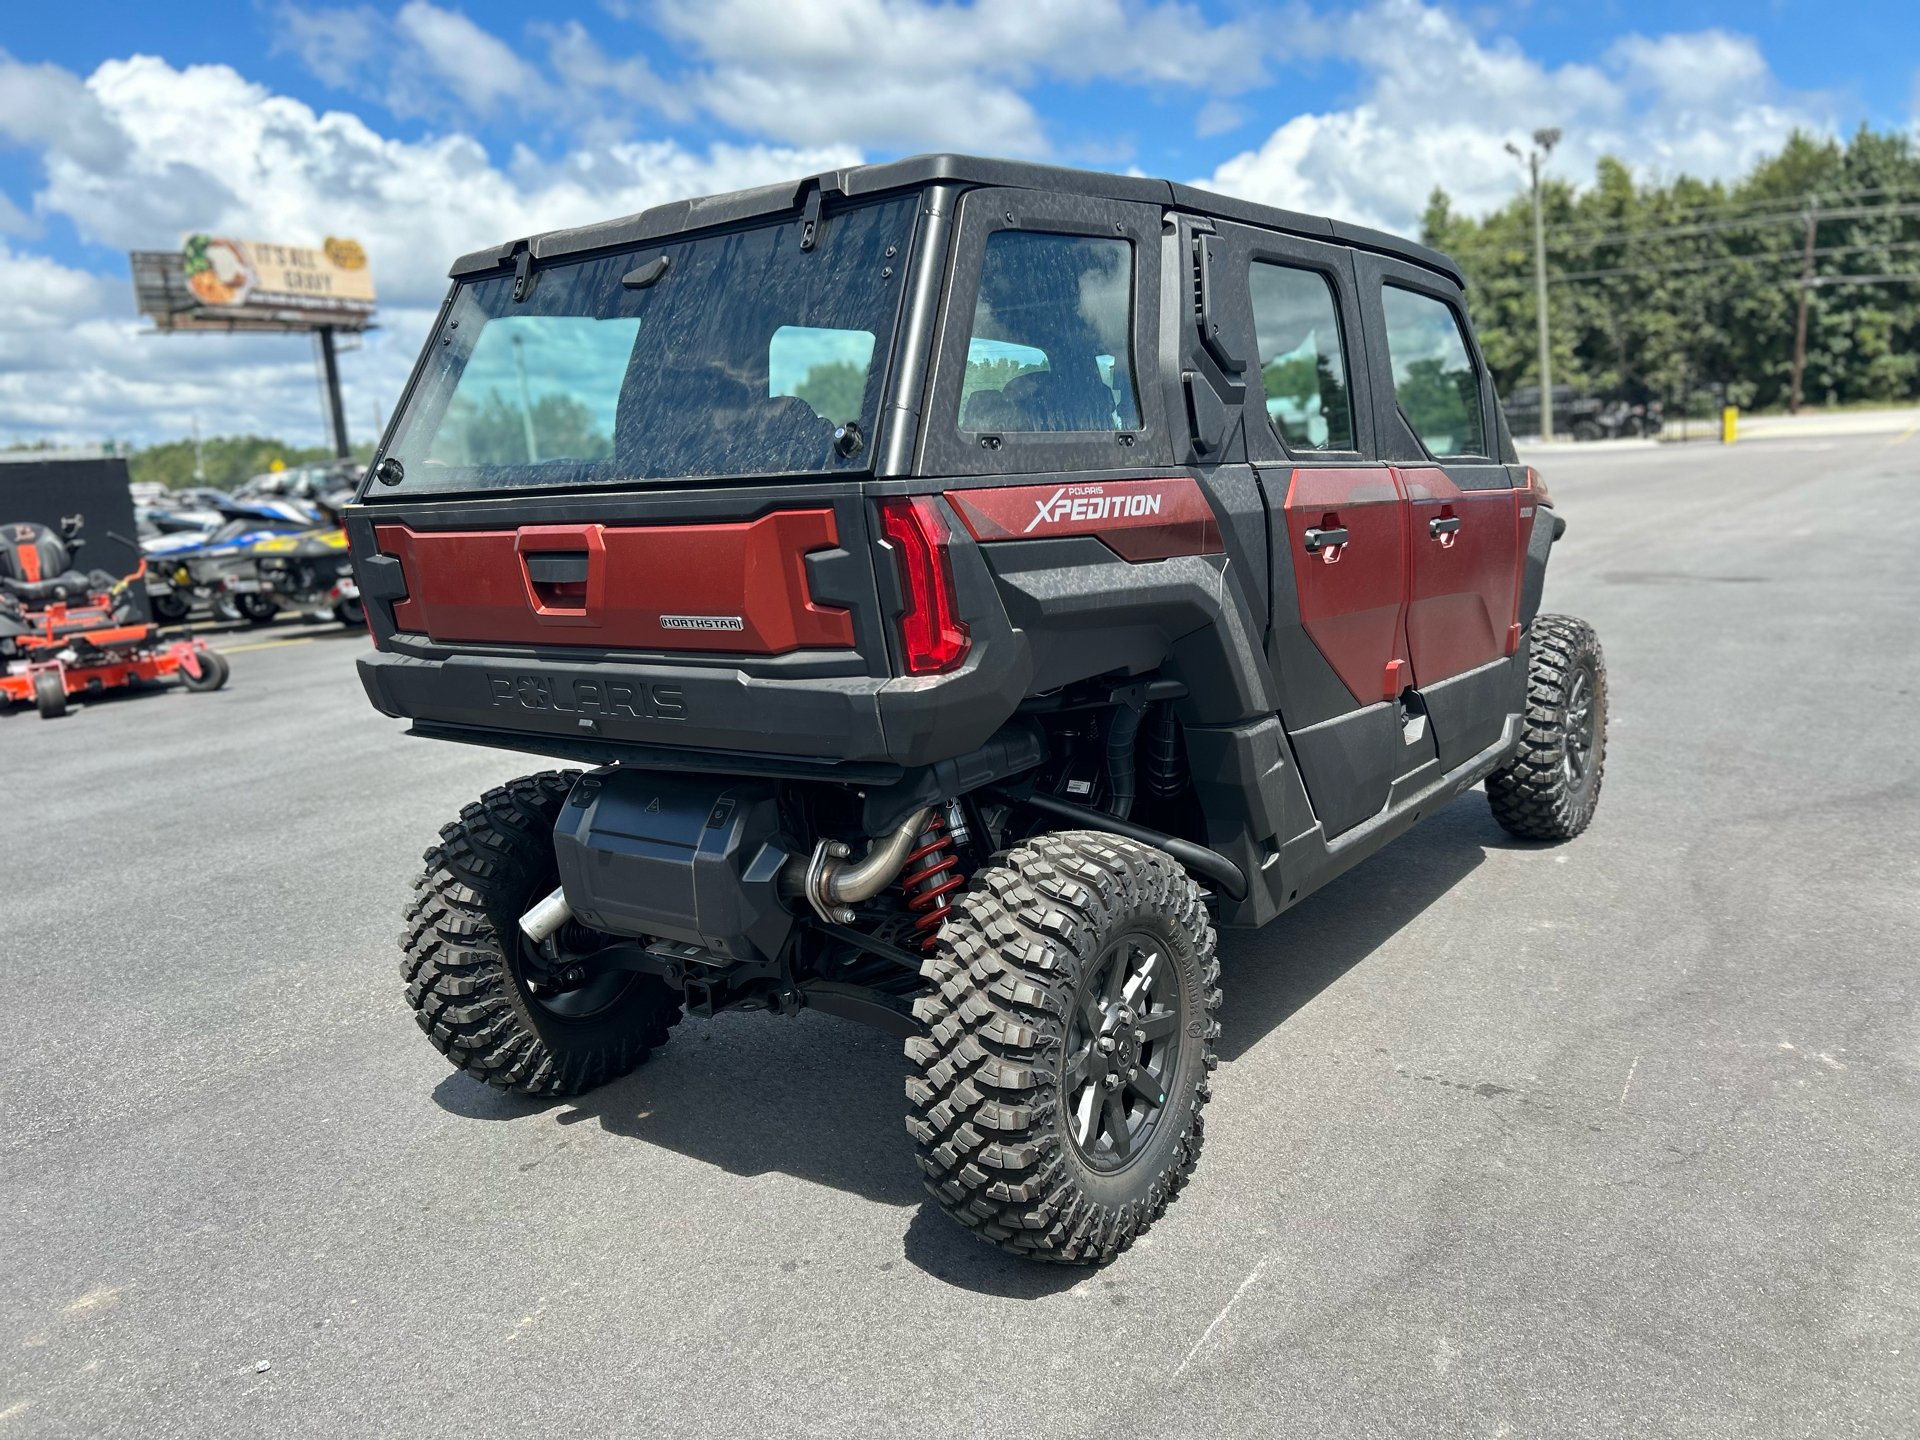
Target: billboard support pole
(340, 446)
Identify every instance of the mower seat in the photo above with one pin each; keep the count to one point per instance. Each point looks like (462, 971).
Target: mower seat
(69, 588)
(31, 553)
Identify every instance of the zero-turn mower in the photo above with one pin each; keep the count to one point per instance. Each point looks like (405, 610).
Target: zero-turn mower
(65, 632)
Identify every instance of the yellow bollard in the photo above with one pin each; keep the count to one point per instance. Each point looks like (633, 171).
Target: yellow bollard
(1729, 424)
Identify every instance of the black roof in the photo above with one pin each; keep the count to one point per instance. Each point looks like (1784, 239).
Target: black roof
(680, 216)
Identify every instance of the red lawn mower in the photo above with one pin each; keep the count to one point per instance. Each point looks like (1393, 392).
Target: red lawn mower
(67, 632)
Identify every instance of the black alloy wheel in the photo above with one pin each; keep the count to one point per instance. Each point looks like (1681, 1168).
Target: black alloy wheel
(569, 989)
(1123, 1048)
(1579, 724)
(1056, 1096)
(1549, 787)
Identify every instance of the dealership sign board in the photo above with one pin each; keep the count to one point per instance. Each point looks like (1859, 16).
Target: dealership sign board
(217, 283)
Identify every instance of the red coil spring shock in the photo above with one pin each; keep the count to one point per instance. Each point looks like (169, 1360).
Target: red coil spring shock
(928, 886)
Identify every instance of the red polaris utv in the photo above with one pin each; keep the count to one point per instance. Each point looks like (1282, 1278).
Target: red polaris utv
(968, 584)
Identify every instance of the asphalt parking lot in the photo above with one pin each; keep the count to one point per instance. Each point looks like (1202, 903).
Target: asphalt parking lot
(1615, 1138)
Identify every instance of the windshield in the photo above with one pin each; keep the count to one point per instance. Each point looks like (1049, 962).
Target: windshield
(739, 357)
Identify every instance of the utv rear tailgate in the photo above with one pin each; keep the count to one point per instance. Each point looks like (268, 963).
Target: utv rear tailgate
(723, 621)
(739, 587)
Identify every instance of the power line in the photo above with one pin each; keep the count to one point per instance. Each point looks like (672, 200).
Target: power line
(1819, 201)
(1721, 227)
(1752, 257)
(1822, 280)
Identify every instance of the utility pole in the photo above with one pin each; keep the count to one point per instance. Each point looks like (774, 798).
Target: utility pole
(1544, 141)
(199, 455)
(1806, 291)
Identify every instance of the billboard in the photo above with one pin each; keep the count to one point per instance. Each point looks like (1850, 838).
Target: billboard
(214, 282)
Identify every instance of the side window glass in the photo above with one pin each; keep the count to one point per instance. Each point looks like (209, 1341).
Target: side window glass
(1303, 366)
(1433, 376)
(1052, 343)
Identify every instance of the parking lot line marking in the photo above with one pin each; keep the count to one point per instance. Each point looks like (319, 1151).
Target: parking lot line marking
(1629, 1085)
(1257, 1271)
(269, 644)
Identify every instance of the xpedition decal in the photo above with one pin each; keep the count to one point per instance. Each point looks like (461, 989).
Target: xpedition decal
(1137, 519)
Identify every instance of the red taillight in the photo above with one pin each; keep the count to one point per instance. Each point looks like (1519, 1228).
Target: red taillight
(933, 640)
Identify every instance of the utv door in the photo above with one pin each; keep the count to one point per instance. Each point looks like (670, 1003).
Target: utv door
(1435, 403)
(1337, 515)
(1043, 401)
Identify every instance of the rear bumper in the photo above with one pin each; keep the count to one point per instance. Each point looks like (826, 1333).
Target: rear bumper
(820, 718)
(636, 704)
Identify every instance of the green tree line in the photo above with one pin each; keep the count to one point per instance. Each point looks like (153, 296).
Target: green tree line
(231, 460)
(1661, 289)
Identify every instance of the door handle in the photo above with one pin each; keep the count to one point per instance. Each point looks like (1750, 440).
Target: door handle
(1439, 526)
(1316, 538)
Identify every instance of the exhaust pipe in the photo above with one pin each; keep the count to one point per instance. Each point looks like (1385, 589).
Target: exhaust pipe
(546, 917)
(830, 883)
(826, 879)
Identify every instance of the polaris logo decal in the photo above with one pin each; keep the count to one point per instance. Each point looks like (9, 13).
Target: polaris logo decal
(1078, 506)
(1153, 519)
(604, 699)
(702, 622)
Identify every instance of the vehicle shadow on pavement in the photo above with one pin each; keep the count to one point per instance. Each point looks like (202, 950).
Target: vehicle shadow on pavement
(809, 1096)
(812, 1097)
(954, 1255)
(1269, 974)
(820, 1099)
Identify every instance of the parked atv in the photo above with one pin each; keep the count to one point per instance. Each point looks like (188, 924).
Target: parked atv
(968, 584)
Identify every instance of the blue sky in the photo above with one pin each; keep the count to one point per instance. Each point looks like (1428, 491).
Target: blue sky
(429, 127)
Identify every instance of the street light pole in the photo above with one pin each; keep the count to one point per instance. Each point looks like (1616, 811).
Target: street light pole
(1544, 141)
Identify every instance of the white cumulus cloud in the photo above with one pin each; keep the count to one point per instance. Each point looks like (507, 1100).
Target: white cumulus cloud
(1440, 105)
(904, 74)
(142, 153)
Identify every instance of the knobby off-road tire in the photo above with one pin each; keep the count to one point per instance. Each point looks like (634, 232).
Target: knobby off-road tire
(1549, 789)
(465, 970)
(1021, 980)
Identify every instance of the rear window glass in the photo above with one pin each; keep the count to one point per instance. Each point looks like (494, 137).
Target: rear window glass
(537, 388)
(1433, 376)
(826, 368)
(740, 358)
(1303, 365)
(1052, 342)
